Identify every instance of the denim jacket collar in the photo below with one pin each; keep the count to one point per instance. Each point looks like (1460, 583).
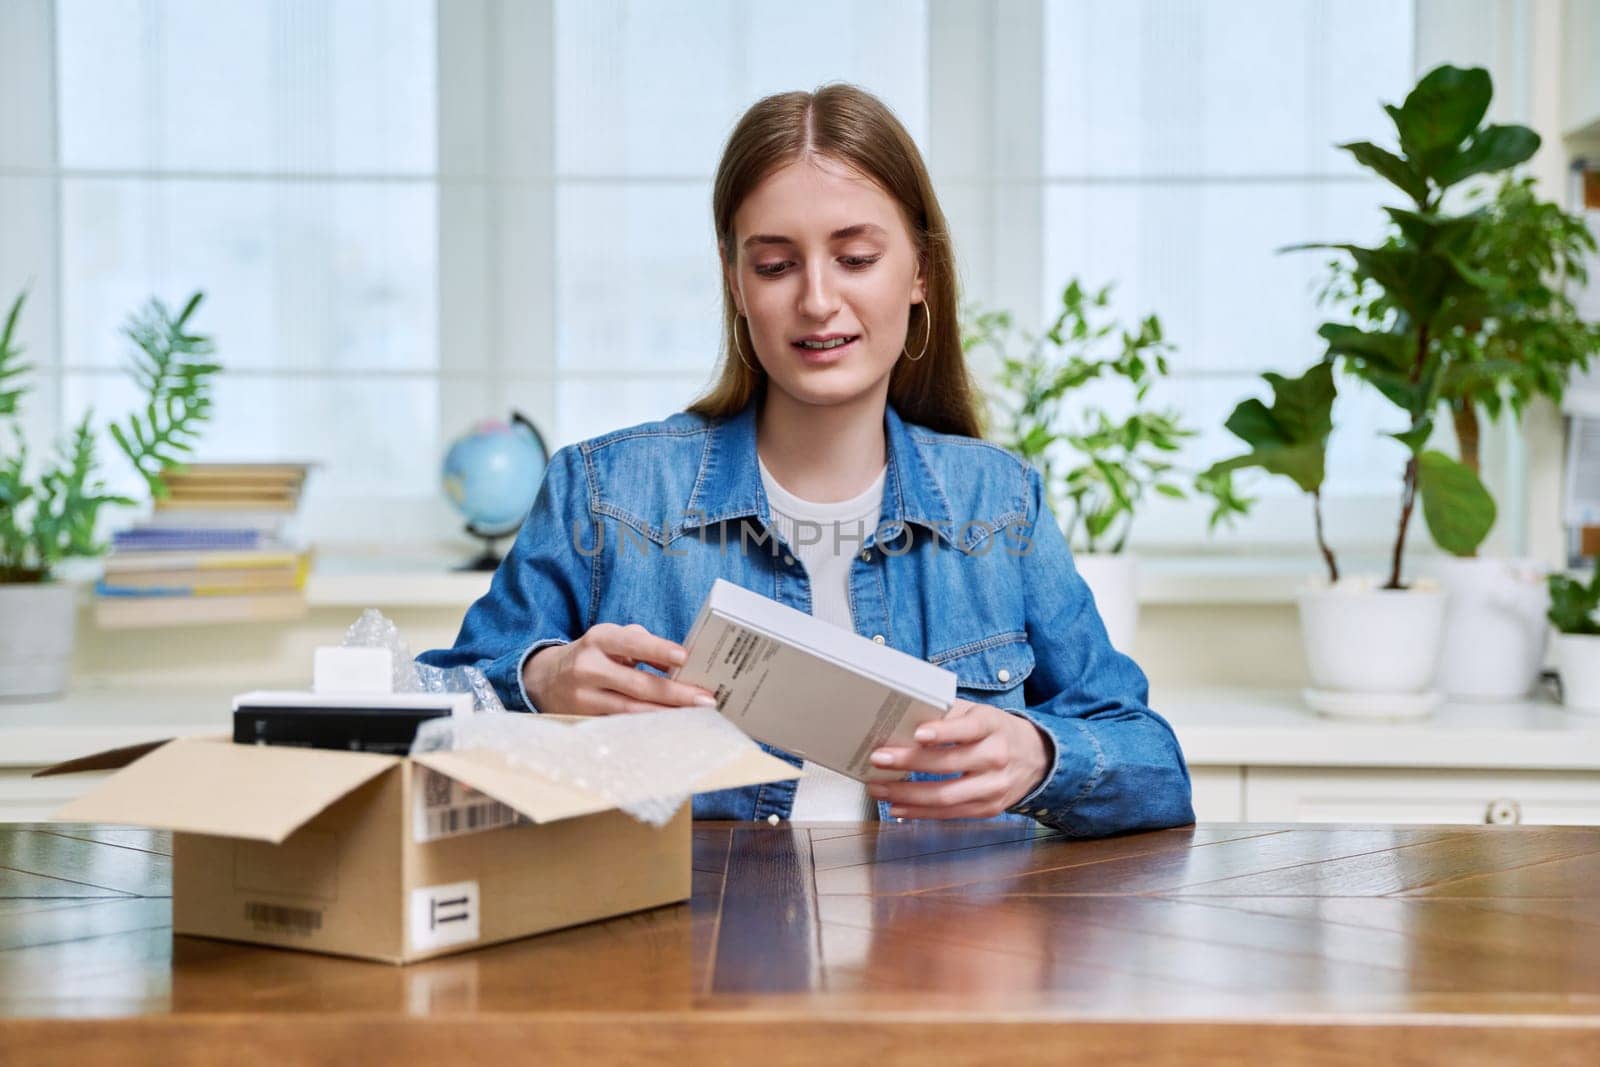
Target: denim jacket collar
(728, 485)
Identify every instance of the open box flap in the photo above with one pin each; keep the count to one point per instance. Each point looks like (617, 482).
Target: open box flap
(108, 760)
(213, 786)
(544, 801)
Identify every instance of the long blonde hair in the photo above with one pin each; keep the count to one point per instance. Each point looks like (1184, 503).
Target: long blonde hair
(848, 124)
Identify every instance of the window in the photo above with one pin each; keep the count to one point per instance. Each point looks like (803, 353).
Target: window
(412, 214)
(1184, 144)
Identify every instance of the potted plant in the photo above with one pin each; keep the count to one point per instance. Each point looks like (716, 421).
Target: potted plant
(1372, 649)
(1097, 467)
(1519, 339)
(1575, 611)
(49, 511)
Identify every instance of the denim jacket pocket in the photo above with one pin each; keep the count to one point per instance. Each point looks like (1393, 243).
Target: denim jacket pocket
(992, 670)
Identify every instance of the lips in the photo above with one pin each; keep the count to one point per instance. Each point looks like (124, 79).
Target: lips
(826, 355)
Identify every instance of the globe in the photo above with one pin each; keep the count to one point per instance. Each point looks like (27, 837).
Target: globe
(492, 475)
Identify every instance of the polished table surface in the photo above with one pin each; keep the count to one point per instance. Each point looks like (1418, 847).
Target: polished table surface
(936, 943)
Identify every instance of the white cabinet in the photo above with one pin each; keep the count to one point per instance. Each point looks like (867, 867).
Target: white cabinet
(1301, 794)
(1218, 794)
(1258, 755)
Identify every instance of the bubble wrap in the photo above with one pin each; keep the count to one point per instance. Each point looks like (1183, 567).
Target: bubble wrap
(375, 630)
(638, 762)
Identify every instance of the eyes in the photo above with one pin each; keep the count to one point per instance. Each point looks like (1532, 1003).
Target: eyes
(858, 263)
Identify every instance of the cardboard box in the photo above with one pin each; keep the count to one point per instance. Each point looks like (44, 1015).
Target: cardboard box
(387, 857)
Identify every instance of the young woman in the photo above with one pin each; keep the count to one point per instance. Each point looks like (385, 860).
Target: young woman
(836, 466)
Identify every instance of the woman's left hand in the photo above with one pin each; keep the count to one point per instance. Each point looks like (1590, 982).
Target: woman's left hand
(1001, 758)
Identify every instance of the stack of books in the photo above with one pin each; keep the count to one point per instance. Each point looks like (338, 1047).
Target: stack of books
(218, 548)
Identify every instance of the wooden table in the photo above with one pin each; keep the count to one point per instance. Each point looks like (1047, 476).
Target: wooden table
(934, 943)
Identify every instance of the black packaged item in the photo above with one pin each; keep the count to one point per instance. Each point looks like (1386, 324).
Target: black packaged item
(349, 729)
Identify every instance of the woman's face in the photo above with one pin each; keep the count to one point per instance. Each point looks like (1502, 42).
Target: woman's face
(824, 254)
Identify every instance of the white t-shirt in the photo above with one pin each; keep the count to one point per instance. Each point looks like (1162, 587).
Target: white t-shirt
(826, 538)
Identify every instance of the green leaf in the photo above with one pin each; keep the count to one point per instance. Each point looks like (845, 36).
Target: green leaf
(1432, 232)
(11, 365)
(1252, 423)
(1494, 148)
(1573, 605)
(1416, 438)
(1398, 172)
(1458, 509)
(1304, 464)
(1291, 437)
(1393, 350)
(1417, 281)
(1303, 406)
(1441, 112)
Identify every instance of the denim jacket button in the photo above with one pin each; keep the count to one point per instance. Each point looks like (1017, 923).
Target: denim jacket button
(1004, 675)
(866, 556)
(788, 561)
(877, 639)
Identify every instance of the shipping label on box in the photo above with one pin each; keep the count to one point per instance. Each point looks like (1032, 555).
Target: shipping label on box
(444, 807)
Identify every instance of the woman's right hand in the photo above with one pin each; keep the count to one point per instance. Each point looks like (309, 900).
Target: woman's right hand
(597, 674)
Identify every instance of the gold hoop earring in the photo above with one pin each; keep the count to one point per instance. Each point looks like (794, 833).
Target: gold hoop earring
(927, 335)
(737, 348)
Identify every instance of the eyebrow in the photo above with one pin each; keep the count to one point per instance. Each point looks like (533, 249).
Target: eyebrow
(837, 235)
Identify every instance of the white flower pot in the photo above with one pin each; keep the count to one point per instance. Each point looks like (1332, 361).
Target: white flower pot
(1373, 652)
(1114, 581)
(38, 623)
(1578, 658)
(1495, 631)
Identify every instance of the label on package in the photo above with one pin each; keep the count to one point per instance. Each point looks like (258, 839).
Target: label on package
(446, 808)
(444, 915)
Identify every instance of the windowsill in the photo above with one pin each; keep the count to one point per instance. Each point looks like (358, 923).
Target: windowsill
(345, 576)
(1168, 581)
(352, 575)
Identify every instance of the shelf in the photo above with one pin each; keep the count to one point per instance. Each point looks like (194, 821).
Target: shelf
(359, 576)
(406, 588)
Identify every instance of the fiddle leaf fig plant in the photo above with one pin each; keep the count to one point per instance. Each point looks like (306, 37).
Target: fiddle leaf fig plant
(52, 516)
(1523, 338)
(1097, 468)
(1422, 289)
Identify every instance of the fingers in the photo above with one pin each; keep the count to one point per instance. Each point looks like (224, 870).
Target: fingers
(978, 758)
(610, 702)
(967, 793)
(600, 677)
(964, 723)
(599, 671)
(634, 642)
(642, 685)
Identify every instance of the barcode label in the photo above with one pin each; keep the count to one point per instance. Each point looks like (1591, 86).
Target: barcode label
(446, 808)
(279, 916)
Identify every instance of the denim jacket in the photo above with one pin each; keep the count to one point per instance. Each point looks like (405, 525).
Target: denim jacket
(967, 570)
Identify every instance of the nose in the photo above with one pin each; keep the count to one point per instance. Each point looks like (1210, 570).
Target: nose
(820, 299)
